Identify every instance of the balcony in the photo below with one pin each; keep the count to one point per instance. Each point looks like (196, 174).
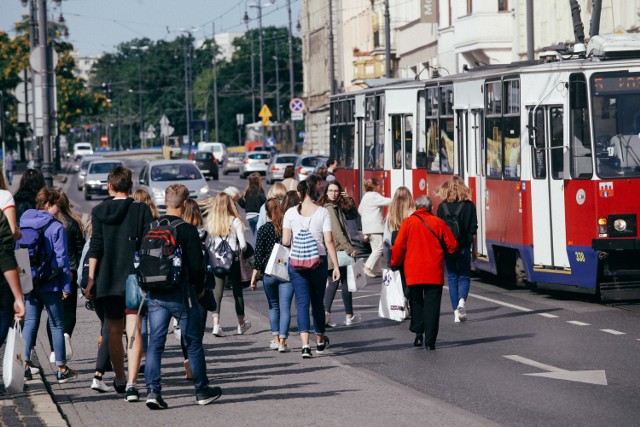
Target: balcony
(482, 31)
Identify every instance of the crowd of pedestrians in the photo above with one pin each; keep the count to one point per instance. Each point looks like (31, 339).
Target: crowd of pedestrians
(102, 258)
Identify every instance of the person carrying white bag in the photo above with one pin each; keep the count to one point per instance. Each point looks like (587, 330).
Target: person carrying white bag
(12, 368)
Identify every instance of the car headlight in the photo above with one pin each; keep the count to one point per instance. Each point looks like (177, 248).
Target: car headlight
(620, 225)
(93, 182)
(204, 190)
(158, 193)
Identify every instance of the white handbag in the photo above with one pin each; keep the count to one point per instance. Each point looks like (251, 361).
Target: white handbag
(344, 259)
(278, 264)
(13, 363)
(356, 279)
(393, 304)
(24, 267)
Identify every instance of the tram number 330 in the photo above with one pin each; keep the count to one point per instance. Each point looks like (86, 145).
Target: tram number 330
(580, 257)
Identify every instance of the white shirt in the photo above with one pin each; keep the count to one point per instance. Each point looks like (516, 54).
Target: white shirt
(235, 237)
(317, 224)
(370, 211)
(6, 200)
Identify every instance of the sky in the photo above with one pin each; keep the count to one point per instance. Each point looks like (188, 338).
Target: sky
(97, 26)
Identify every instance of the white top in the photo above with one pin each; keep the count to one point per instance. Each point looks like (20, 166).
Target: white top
(6, 200)
(236, 236)
(317, 224)
(370, 211)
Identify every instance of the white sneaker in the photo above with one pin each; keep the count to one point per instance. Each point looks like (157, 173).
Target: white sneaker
(52, 357)
(274, 345)
(283, 349)
(456, 316)
(461, 313)
(100, 386)
(244, 327)
(356, 318)
(67, 346)
(217, 331)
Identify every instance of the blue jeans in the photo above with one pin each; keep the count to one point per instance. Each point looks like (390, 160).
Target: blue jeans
(35, 301)
(9, 176)
(279, 295)
(458, 268)
(308, 287)
(163, 306)
(253, 223)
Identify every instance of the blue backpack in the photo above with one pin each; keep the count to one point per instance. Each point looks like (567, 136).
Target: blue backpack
(34, 242)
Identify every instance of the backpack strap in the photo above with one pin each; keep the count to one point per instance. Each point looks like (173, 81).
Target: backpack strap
(134, 233)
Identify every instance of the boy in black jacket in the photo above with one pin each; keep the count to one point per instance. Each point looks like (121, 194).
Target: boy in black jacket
(182, 304)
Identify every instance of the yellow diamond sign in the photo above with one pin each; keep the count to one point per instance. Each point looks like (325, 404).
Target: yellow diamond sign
(265, 114)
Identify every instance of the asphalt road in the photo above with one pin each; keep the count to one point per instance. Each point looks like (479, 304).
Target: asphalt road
(522, 358)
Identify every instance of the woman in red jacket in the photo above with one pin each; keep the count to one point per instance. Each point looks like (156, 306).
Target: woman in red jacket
(419, 250)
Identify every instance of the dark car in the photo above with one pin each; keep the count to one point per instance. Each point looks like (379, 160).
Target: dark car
(207, 163)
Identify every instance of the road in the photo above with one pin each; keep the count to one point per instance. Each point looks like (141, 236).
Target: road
(522, 358)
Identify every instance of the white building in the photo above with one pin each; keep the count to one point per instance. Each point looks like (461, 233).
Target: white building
(83, 64)
(225, 44)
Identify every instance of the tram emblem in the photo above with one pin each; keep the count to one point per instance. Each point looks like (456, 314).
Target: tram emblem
(606, 189)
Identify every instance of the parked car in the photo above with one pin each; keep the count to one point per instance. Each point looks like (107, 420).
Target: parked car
(278, 163)
(305, 165)
(255, 161)
(81, 149)
(95, 182)
(157, 175)
(232, 162)
(82, 169)
(207, 163)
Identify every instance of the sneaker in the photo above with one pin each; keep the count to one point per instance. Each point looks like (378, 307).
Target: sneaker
(67, 346)
(52, 358)
(320, 348)
(244, 327)
(65, 376)
(274, 345)
(27, 374)
(328, 323)
(456, 316)
(210, 394)
(369, 273)
(33, 368)
(462, 313)
(217, 331)
(306, 352)
(356, 318)
(155, 401)
(132, 394)
(284, 349)
(100, 386)
(121, 388)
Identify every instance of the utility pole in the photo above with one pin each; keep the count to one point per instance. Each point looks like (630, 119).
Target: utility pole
(530, 47)
(215, 80)
(261, 55)
(332, 77)
(45, 64)
(277, 84)
(291, 87)
(387, 39)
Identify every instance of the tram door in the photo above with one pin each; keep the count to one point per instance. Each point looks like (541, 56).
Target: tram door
(547, 187)
(402, 150)
(475, 133)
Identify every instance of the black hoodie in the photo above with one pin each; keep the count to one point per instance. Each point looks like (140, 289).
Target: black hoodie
(114, 222)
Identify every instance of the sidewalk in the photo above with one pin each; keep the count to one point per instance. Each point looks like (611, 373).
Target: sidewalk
(259, 386)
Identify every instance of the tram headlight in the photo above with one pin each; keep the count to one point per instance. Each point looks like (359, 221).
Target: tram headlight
(602, 226)
(620, 225)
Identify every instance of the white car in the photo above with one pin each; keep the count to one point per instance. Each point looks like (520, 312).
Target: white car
(255, 161)
(81, 149)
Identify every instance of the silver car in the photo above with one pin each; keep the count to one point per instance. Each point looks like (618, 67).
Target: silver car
(95, 182)
(305, 166)
(278, 163)
(255, 161)
(157, 175)
(232, 161)
(82, 169)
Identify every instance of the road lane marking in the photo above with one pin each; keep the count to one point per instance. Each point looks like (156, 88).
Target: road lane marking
(575, 322)
(505, 304)
(613, 332)
(547, 315)
(597, 377)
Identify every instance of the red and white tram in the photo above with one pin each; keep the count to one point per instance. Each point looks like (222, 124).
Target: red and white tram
(551, 151)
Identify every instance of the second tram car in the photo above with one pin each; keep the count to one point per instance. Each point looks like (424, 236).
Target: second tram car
(550, 150)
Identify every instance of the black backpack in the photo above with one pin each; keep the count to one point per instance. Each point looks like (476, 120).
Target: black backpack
(158, 250)
(33, 241)
(221, 258)
(453, 220)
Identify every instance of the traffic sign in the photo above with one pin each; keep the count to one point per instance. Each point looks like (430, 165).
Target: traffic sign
(265, 114)
(295, 116)
(296, 105)
(104, 139)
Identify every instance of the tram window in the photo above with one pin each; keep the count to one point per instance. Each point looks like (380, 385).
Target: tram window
(369, 143)
(408, 141)
(493, 98)
(579, 133)
(538, 154)
(433, 140)
(379, 163)
(349, 146)
(511, 97)
(556, 128)
(446, 98)
(493, 137)
(446, 151)
(396, 140)
(511, 147)
(421, 145)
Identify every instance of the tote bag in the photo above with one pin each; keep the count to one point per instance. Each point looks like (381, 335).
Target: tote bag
(278, 264)
(393, 304)
(24, 266)
(13, 363)
(356, 278)
(304, 253)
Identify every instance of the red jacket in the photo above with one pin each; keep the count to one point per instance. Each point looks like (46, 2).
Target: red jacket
(419, 251)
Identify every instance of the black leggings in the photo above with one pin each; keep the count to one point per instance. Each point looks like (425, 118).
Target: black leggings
(332, 288)
(103, 362)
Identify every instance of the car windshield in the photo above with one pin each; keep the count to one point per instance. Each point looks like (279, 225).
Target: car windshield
(286, 159)
(203, 156)
(103, 167)
(309, 161)
(175, 172)
(259, 156)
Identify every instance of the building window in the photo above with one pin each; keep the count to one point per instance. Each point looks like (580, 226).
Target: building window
(503, 5)
(469, 7)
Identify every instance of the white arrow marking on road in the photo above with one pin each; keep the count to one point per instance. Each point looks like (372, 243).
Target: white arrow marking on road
(589, 377)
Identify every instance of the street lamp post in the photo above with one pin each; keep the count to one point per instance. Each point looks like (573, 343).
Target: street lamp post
(259, 6)
(188, 92)
(275, 58)
(141, 118)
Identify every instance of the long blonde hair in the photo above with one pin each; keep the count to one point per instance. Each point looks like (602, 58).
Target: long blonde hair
(143, 196)
(221, 214)
(454, 190)
(401, 206)
(277, 191)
